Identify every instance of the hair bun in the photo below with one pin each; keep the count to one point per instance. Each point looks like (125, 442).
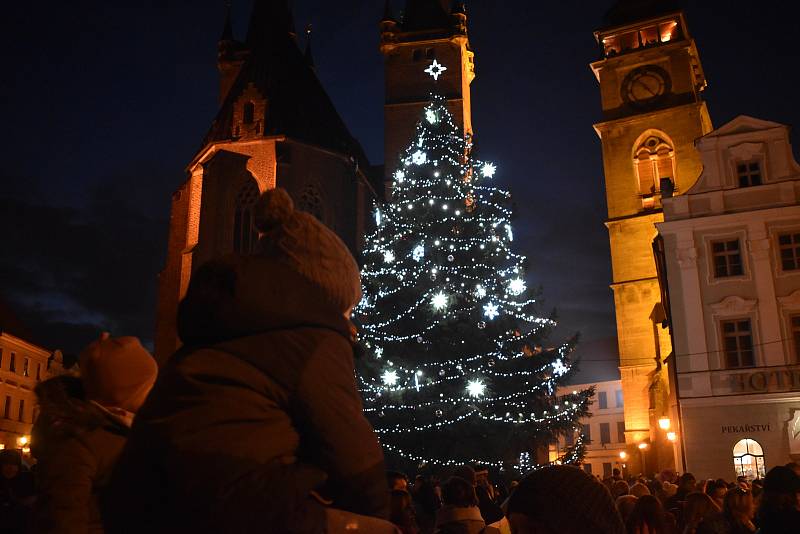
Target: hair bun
(274, 208)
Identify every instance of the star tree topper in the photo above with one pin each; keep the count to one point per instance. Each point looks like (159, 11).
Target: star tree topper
(436, 69)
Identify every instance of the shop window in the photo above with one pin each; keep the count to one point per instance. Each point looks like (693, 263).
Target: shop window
(789, 245)
(245, 235)
(727, 258)
(795, 326)
(654, 160)
(737, 339)
(748, 459)
(587, 468)
(606, 469)
(621, 431)
(587, 433)
(620, 398)
(602, 399)
(605, 433)
(749, 173)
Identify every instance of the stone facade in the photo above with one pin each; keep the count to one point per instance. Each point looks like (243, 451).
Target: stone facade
(650, 81)
(733, 274)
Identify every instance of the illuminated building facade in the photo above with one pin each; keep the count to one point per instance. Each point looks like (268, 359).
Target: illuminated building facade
(650, 81)
(732, 261)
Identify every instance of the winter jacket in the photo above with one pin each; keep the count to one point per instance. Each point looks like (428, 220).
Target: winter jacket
(258, 409)
(461, 520)
(76, 444)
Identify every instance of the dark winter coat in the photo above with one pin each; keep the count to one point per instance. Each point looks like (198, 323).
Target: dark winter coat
(76, 444)
(259, 408)
(462, 520)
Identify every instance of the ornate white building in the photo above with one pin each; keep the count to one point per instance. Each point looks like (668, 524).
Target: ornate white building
(731, 255)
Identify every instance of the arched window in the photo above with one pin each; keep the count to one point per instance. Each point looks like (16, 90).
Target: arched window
(248, 113)
(654, 160)
(310, 201)
(748, 459)
(245, 235)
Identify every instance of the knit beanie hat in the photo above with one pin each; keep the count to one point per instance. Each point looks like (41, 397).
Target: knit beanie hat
(309, 247)
(117, 372)
(566, 500)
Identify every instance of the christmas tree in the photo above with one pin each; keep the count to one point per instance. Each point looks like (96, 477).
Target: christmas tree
(454, 370)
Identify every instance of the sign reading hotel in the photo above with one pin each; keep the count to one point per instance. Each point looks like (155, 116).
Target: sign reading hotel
(766, 381)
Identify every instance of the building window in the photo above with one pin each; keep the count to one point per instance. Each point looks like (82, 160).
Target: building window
(310, 201)
(12, 362)
(1, 359)
(748, 459)
(245, 235)
(606, 469)
(654, 161)
(430, 53)
(569, 438)
(620, 399)
(621, 431)
(587, 433)
(22, 410)
(794, 324)
(737, 339)
(587, 468)
(25, 367)
(789, 245)
(727, 258)
(38, 371)
(749, 173)
(248, 113)
(7, 408)
(605, 433)
(602, 399)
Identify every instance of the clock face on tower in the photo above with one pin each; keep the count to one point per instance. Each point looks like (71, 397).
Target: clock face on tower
(645, 85)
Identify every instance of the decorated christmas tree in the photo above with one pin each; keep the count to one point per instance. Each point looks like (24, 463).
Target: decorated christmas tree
(455, 370)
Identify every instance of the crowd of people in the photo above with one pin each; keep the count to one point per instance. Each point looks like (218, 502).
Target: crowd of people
(256, 425)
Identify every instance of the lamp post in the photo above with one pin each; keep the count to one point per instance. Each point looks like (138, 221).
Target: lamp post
(642, 448)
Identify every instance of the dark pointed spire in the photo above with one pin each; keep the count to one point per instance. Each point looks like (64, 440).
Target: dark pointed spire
(459, 8)
(426, 14)
(271, 20)
(227, 30)
(309, 57)
(388, 15)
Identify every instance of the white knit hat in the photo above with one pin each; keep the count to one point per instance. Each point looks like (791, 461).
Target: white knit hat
(309, 247)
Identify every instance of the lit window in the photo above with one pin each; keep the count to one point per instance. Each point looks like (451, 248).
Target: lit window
(749, 173)
(602, 398)
(245, 235)
(620, 398)
(789, 245)
(737, 342)
(748, 459)
(248, 113)
(605, 433)
(654, 161)
(668, 31)
(795, 326)
(727, 258)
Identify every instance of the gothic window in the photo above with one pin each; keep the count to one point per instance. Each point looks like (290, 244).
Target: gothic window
(737, 340)
(310, 201)
(654, 160)
(248, 113)
(245, 235)
(748, 459)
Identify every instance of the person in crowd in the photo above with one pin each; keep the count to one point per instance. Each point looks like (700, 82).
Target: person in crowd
(625, 505)
(686, 484)
(397, 480)
(794, 466)
(256, 423)
(757, 486)
(17, 494)
(716, 489)
(459, 513)
(648, 517)
(699, 508)
(402, 512)
(490, 510)
(426, 501)
(562, 499)
(639, 489)
(739, 511)
(82, 428)
(779, 512)
(616, 474)
(619, 488)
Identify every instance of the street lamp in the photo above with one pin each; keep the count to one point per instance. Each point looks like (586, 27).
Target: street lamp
(623, 455)
(664, 423)
(642, 448)
(672, 436)
(22, 441)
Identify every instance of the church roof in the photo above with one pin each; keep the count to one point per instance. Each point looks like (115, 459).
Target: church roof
(743, 124)
(297, 105)
(426, 15)
(629, 11)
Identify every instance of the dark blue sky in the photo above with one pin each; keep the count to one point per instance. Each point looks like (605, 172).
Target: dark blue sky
(104, 103)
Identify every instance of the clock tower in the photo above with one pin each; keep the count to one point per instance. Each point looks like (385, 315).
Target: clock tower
(651, 82)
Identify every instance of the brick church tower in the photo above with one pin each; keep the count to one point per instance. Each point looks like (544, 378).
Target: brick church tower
(650, 81)
(276, 126)
(428, 31)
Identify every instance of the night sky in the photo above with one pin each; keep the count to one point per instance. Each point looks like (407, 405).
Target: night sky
(104, 103)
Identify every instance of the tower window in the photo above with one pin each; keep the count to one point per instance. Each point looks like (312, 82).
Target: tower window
(654, 160)
(430, 53)
(789, 245)
(737, 342)
(416, 55)
(245, 235)
(310, 201)
(727, 258)
(749, 173)
(248, 113)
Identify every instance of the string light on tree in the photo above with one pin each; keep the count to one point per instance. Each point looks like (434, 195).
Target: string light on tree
(452, 314)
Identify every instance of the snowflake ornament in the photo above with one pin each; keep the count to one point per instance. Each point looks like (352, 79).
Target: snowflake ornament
(480, 291)
(488, 170)
(476, 388)
(419, 157)
(388, 256)
(431, 117)
(516, 286)
(559, 369)
(439, 301)
(390, 378)
(491, 311)
(418, 253)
